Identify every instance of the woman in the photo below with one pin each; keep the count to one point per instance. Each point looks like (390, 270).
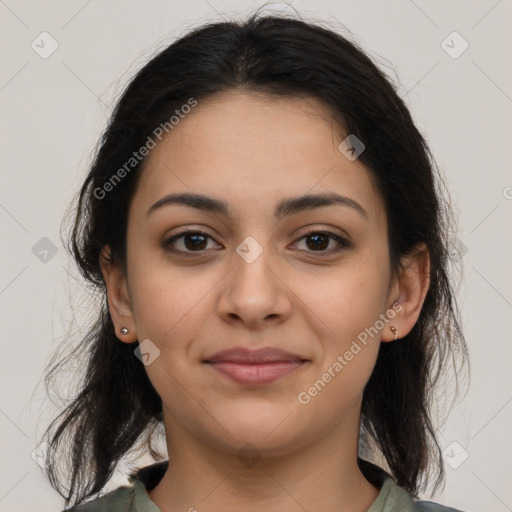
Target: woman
(267, 228)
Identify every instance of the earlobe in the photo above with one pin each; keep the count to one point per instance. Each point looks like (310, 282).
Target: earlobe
(119, 303)
(413, 283)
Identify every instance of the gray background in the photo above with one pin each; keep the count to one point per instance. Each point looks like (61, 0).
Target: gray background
(54, 110)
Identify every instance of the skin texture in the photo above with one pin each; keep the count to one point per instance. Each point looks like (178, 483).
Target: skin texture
(252, 151)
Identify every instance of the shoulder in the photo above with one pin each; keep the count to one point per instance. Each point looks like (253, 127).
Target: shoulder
(393, 497)
(430, 506)
(120, 500)
(130, 497)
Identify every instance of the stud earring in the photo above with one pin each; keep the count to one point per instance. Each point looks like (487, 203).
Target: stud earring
(125, 330)
(394, 331)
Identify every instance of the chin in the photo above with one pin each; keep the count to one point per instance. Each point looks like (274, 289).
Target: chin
(271, 434)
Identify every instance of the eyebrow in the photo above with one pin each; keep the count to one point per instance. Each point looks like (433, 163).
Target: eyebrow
(284, 208)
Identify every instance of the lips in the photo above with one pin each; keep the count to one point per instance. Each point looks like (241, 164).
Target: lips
(260, 356)
(255, 367)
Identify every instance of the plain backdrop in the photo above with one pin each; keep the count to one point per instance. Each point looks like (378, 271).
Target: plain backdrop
(55, 107)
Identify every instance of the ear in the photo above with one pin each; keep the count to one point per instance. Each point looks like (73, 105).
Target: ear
(119, 302)
(409, 291)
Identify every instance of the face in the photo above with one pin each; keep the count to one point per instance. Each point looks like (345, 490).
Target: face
(307, 281)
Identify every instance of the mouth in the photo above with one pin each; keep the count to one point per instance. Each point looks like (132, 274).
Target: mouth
(255, 367)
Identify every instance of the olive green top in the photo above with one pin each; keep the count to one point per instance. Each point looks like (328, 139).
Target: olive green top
(133, 497)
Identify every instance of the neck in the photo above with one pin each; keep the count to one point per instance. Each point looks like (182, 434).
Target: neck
(320, 476)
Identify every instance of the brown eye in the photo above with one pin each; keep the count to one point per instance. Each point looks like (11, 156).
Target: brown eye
(320, 241)
(188, 241)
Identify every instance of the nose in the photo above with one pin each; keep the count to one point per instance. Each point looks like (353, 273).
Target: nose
(255, 293)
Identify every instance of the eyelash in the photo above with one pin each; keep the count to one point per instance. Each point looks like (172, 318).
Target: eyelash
(344, 243)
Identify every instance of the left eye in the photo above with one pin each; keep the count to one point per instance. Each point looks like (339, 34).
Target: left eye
(197, 241)
(319, 241)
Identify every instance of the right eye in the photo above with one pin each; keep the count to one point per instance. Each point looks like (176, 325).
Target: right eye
(191, 242)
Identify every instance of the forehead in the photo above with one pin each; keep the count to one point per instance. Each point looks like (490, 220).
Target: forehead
(251, 150)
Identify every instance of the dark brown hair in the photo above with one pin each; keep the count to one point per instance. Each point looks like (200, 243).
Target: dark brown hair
(279, 56)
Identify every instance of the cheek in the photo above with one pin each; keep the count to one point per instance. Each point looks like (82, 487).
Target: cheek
(349, 307)
(347, 301)
(169, 304)
(166, 299)
(337, 391)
